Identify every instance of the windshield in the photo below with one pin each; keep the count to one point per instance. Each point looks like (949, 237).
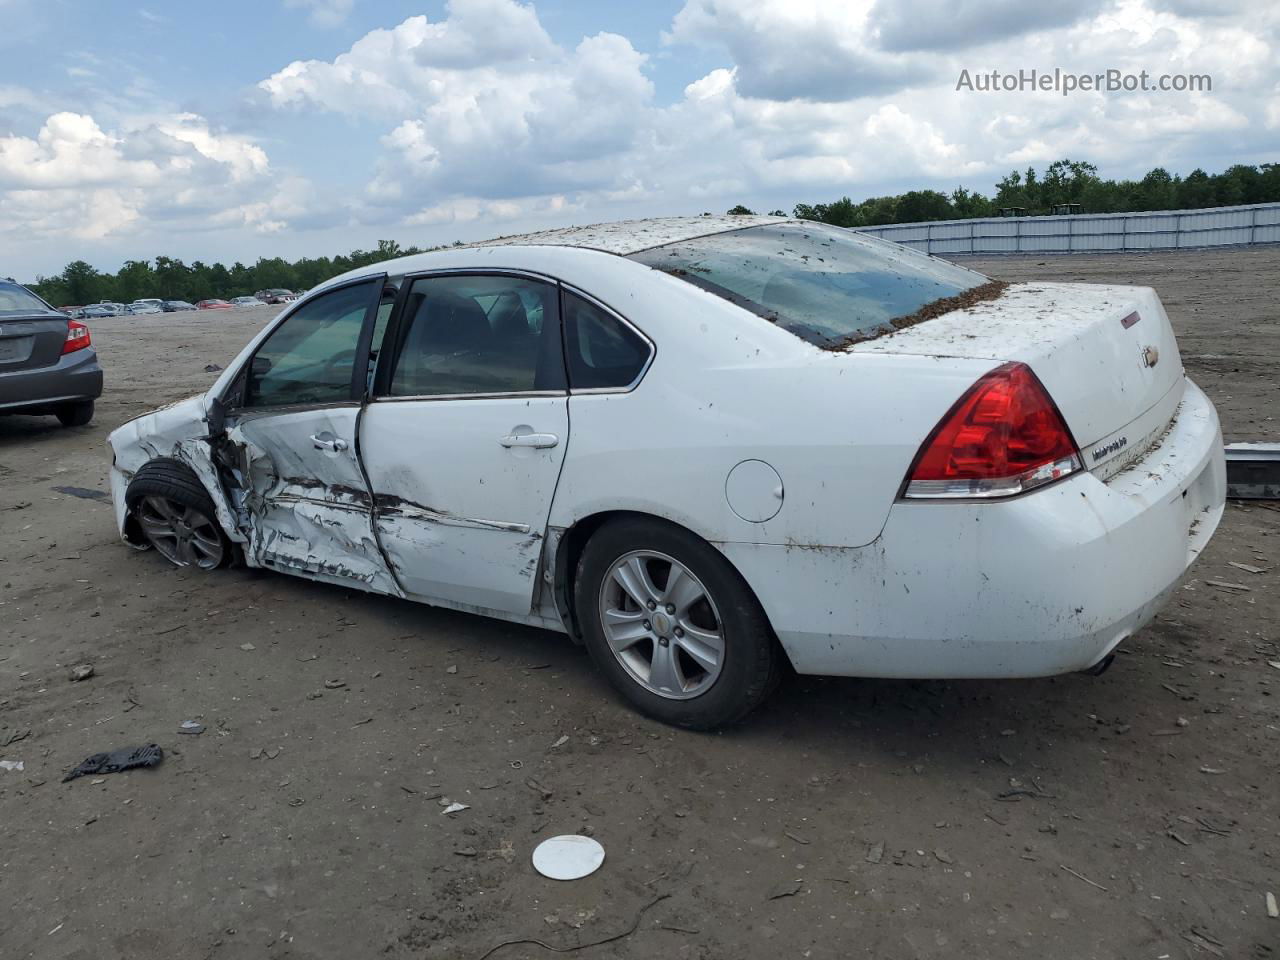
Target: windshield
(16, 299)
(826, 285)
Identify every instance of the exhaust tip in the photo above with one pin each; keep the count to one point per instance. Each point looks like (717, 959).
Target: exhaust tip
(1099, 668)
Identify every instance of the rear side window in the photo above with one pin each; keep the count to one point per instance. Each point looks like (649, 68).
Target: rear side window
(18, 299)
(602, 352)
(826, 285)
(471, 335)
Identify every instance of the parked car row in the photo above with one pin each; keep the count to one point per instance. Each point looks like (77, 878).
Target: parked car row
(153, 305)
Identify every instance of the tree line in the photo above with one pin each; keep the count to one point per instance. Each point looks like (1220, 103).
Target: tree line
(1065, 181)
(168, 278)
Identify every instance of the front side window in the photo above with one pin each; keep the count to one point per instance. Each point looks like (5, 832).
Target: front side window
(466, 335)
(826, 285)
(601, 351)
(310, 357)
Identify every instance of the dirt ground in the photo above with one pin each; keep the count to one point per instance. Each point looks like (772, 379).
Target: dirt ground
(1134, 815)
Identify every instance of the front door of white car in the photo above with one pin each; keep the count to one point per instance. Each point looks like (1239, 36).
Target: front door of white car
(293, 423)
(465, 434)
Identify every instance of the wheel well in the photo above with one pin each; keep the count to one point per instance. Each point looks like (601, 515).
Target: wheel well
(569, 549)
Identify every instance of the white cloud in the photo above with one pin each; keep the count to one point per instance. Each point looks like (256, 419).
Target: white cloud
(480, 103)
(482, 118)
(73, 177)
(485, 117)
(797, 49)
(961, 24)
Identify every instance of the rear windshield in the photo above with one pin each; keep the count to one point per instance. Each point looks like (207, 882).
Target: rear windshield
(826, 285)
(16, 299)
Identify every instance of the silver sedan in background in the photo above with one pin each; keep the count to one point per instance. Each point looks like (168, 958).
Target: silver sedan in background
(47, 361)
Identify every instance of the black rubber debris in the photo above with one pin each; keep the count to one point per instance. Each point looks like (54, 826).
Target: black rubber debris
(84, 493)
(126, 758)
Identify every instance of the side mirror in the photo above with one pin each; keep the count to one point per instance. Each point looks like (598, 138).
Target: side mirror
(260, 366)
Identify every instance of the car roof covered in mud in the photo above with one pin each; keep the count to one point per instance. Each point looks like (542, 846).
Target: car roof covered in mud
(625, 237)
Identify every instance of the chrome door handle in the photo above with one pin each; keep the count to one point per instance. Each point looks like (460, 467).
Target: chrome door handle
(330, 443)
(529, 440)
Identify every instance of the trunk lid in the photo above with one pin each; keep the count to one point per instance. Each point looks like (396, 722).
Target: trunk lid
(1106, 354)
(27, 343)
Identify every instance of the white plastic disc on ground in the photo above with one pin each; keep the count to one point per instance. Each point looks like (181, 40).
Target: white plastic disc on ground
(569, 857)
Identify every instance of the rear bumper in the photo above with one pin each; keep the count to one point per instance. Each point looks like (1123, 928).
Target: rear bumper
(1042, 584)
(76, 376)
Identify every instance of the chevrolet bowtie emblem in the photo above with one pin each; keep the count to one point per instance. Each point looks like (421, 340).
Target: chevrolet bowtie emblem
(1150, 356)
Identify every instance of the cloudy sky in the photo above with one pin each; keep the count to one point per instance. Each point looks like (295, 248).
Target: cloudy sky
(244, 128)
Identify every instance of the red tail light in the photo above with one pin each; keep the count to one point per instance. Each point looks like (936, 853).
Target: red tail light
(1004, 436)
(77, 337)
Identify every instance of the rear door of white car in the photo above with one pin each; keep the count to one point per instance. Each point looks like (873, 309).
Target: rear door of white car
(465, 434)
(292, 421)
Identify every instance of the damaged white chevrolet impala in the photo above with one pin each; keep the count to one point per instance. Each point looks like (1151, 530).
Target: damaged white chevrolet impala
(706, 447)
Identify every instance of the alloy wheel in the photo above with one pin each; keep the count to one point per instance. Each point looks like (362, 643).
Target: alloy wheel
(182, 534)
(661, 624)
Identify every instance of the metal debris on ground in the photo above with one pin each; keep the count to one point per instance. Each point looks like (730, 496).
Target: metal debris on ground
(1246, 567)
(1081, 876)
(1253, 471)
(125, 758)
(875, 853)
(335, 684)
(15, 765)
(247, 647)
(451, 806)
(787, 888)
(568, 857)
(192, 727)
(1224, 585)
(1273, 910)
(80, 672)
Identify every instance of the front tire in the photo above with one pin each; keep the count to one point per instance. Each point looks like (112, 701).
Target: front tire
(176, 515)
(673, 625)
(75, 414)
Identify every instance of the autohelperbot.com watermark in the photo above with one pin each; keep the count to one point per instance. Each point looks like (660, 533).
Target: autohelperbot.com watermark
(1066, 82)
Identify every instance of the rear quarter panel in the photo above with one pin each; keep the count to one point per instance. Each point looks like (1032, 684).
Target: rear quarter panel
(725, 386)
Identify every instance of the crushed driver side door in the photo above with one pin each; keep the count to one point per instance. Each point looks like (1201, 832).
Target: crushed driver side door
(291, 424)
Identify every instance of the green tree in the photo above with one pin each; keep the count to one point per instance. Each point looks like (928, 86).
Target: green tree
(83, 282)
(135, 280)
(917, 205)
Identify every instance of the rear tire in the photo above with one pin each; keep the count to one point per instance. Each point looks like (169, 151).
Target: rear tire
(172, 510)
(672, 625)
(75, 414)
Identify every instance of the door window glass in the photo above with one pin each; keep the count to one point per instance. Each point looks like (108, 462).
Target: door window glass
(602, 351)
(478, 335)
(310, 357)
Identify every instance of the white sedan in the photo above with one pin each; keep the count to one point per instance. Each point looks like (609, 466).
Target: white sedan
(706, 447)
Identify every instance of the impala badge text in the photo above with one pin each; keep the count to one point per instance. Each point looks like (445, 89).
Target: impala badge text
(1109, 448)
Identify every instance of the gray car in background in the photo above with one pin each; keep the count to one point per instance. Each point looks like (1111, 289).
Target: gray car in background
(47, 361)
